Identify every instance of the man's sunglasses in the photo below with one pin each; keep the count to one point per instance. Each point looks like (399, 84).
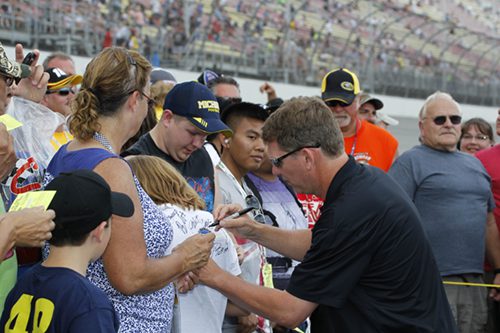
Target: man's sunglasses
(231, 100)
(278, 161)
(61, 92)
(440, 120)
(333, 104)
(9, 80)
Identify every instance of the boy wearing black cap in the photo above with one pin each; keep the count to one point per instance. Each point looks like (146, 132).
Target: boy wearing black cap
(55, 296)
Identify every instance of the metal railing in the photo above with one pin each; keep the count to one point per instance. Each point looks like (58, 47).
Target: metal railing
(465, 62)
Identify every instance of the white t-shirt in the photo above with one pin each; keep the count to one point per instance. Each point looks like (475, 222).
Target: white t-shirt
(201, 309)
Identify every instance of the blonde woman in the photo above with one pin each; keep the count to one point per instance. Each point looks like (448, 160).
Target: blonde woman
(203, 308)
(133, 271)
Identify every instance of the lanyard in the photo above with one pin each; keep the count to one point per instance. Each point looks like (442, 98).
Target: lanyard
(237, 184)
(244, 194)
(355, 138)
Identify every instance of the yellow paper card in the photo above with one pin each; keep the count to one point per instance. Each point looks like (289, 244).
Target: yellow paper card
(10, 122)
(267, 273)
(32, 199)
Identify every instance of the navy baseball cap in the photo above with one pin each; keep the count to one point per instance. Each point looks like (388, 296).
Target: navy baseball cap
(198, 104)
(83, 200)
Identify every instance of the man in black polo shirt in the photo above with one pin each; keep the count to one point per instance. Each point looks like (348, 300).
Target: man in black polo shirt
(190, 113)
(366, 266)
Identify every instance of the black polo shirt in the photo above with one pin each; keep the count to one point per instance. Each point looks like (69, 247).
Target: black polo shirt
(370, 267)
(198, 169)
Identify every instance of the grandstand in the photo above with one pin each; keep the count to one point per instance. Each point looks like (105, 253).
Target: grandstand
(404, 48)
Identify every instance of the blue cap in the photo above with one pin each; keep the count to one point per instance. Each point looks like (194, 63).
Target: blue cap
(198, 104)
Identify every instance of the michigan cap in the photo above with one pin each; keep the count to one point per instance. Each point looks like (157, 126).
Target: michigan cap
(198, 104)
(12, 68)
(58, 79)
(340, 85)
(83, 200)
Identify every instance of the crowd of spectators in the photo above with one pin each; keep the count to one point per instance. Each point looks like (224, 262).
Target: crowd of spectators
(302, 37)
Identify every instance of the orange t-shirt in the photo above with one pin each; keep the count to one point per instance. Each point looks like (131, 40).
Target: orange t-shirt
(374, 146)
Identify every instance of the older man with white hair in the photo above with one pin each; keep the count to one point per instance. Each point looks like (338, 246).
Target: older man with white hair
(451, 191)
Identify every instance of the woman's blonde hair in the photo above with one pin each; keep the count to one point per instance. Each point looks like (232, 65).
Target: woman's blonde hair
(108, 81)
(159, 91)
(163, 183)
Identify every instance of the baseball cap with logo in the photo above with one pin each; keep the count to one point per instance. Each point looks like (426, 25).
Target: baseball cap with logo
(12, 68)
(207, 75)
(198, 104)
(59, 79)
(340, 85)
(82, 201)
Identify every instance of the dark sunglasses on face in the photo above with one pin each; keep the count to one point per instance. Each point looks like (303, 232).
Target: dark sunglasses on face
(440, 120)
(9, 80)
(333, 104)
(278, 161)
(61, 92)
(232, 100)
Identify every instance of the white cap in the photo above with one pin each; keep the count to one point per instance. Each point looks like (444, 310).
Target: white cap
(386, 119)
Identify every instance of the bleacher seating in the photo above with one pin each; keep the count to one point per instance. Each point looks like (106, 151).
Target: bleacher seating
(426, 41)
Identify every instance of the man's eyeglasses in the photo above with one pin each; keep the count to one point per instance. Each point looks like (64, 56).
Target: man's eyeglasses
(333, 104)
(278, 161)
(440, 120)
(61, 92)
(479, 137)
(9, 80)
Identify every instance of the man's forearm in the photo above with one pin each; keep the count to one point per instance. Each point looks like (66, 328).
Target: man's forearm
(274, 304)
(290, 243)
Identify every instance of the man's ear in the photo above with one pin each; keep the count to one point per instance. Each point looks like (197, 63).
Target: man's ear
(167, 117)
(226, 142)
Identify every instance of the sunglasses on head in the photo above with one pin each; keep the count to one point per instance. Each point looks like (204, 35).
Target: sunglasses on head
(333, 104)
(61, 92)
(440, 120)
